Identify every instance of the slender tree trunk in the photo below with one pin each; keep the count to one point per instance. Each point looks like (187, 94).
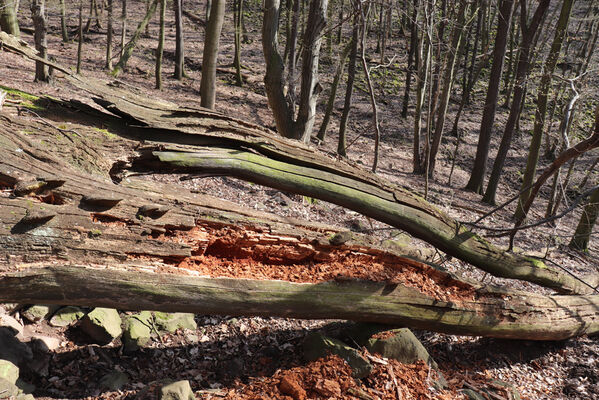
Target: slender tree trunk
(410, 70)
(582, 235)
(292, 57)
(128, 49)
(109, 38)
(63, 22)
(529, 32)
(331, 102)
(210, 56)
(8, 17)
(38, 14)
(448, 78)
(351, 75)
(422, 65)
(123, 27)
(90, 16)
(549, 67)
(80, 42)
(238, 10)
(479, 168)
(179, 48)
(160, 48)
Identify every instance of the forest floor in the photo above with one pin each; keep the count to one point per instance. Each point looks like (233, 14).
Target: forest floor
(232, 351)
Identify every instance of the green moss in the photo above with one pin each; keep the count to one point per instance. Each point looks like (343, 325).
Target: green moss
(106, 133)
(536, 262)
(19, 93)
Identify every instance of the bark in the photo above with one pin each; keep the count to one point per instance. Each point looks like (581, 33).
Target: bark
(529, 31)
(479, 168)
(160, 48)
(208, 143)
(411, 70)
(210, 56)
(290, 46)
(179, 44)
(582, 235)
(8, 17)
(130, 46)
(543, 92)
(38, 14)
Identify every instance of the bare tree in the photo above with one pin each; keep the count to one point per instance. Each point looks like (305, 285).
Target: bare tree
(160, 48)
(8, 17)
(38, 14)
(179, 42)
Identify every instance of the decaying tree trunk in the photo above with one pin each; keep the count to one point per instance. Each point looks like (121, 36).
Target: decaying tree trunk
(70, 235)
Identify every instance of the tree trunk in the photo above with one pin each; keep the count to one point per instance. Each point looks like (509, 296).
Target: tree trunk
(543, 92)
(160, 48)
(331, 102)
(529, 31)
(179, 48)
(448, 78)
(349, 88)
(80, 38)
(291, 47)
(479, 168)
(210, 56)
(38, 14)
(238, 10)
(410, 70)
(128, 49)
(582, 235)
(63, 22)
(8, 17)
(310, 87)
(123, 27)
(109, 37)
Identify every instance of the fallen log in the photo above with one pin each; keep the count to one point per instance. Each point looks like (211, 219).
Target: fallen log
(241, 147)
(70, 235)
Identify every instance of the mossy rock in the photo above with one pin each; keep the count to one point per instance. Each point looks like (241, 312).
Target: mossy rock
(137, 331)
(170, 322)
(102, 325)
(180, 390)
(317, 345)
(66, 316)
(9, 371)
(38, 312)
(8, 390)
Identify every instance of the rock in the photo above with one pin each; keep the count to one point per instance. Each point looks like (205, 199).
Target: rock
(137, 331)
(44, 343)
(25, 387)
(170, 322)
(282, 199)
(38, 312)
(66, 316)
(291, 387)
(403, 346)
(11, 323)
(357, 225)
(8, 390)
(103, 325)
(9, 371)
(114, 380)
(23, 396)
(12, 349)
(317, 345)
(340, 238)
(180, 390)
